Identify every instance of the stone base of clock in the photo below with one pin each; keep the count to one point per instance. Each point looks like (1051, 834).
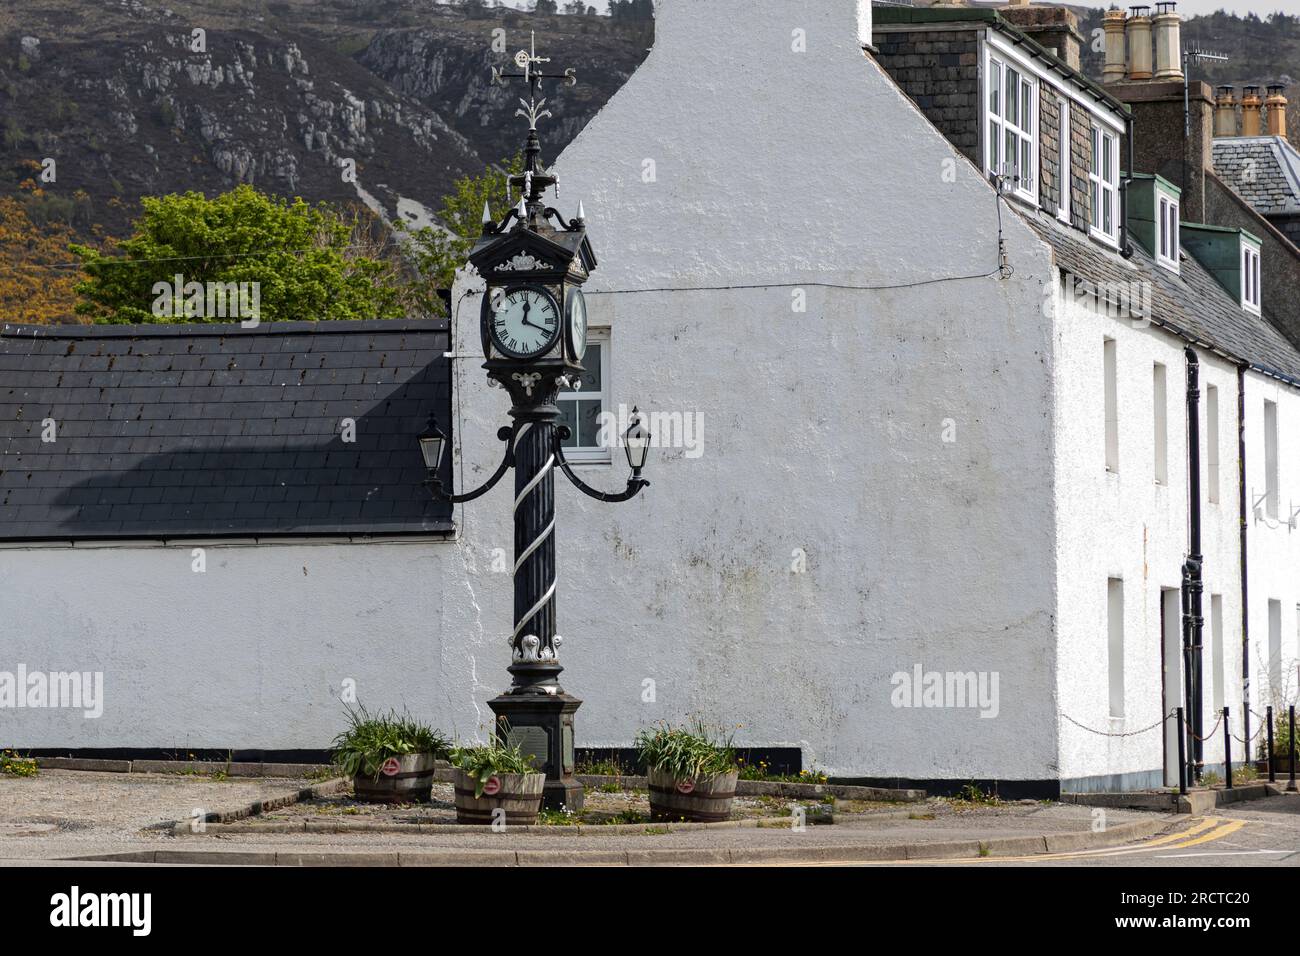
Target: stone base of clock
(542, 724)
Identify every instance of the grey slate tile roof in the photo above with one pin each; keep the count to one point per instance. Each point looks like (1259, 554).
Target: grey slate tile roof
(210, 430)
(1263, 170)
(1190, 302)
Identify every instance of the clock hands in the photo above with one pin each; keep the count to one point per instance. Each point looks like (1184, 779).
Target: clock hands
(534, 325)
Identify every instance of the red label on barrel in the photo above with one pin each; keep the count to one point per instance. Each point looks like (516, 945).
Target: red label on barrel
(492, 787)
(685, 786)
(390, 767)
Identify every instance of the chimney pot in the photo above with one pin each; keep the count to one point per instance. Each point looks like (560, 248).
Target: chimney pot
(1225, 112)
(1138, 28)
(1113, 23)
(1169, 43)
(1275, 108)
(1250, 111)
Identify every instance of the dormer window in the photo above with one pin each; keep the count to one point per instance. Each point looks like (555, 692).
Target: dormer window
(1250, 278)
(1167, 232)
(1103, 182)
(1012, 109)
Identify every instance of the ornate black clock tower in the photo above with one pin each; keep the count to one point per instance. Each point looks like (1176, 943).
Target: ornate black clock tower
(533, 327)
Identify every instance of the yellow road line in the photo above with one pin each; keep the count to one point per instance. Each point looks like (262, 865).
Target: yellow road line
(1228, 829)
(1203, 830)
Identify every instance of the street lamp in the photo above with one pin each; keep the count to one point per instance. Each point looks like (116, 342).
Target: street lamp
(533, 328)
(636, 442)
(432, 441)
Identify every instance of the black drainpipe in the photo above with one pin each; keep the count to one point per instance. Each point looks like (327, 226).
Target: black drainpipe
(1193, 568)
(1245, 604)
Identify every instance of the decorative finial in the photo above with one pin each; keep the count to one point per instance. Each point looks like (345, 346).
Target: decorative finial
(582, 213)
(535, 179)
(487, 213)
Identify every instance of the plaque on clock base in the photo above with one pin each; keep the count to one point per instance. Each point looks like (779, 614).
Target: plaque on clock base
(542, 724)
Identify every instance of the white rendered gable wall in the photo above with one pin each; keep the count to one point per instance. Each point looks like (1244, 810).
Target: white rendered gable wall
(759, 145)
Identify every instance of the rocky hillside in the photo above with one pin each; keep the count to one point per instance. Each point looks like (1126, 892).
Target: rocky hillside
(130, 98)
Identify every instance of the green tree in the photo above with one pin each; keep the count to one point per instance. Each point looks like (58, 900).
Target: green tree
(438, 252)
(309, 262)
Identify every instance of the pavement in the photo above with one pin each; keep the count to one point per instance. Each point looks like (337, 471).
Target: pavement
(125, 818)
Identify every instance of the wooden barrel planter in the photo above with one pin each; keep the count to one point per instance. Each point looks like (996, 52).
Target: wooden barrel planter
(407, 779)
(706, 800)
(518, 794)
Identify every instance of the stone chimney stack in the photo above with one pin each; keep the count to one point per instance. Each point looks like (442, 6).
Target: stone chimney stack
(1275, 106)
(1138, 30)
(1113, 23)
(1054, 28)
(1168, 26)
(1225, 112)
(1250, 110)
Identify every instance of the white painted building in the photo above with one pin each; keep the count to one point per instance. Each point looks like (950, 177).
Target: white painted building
(888, 467)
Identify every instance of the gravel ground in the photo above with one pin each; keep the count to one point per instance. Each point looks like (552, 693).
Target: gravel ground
(113, 812)
(122, 807)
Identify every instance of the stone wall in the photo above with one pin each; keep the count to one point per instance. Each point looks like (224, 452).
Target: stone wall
(1080, 161)
(939, 70)
(1049, 150)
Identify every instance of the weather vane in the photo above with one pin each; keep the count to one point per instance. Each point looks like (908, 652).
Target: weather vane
(535, 178)
(528, 60)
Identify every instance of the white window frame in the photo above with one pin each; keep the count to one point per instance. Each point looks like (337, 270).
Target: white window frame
(1167, 231)
(1250, 278)
(998, 125)
(597, 339)
(1104, 144)
(1065, 138)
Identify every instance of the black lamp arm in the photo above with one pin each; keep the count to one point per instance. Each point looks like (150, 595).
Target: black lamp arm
(634, 484)
(506, 434)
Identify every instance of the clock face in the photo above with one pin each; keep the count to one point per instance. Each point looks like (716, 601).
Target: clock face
(525, 323)
(576, 315)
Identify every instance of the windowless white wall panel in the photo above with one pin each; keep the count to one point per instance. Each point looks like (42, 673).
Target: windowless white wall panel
(1160, 418)
(1212, 443)
(1216, 649)
(1115, 644)
(1111, 404)
(1270, 459)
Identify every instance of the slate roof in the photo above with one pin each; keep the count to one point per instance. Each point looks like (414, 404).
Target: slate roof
(1263, 170)
(213, 430)
(1190, 302)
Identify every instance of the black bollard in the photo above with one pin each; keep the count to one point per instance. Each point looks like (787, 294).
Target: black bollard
(1182, 755)
(1227, 751)
(1272, 767)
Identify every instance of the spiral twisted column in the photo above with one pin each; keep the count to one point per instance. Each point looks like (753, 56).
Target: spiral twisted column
(534, 643)
(536, 714)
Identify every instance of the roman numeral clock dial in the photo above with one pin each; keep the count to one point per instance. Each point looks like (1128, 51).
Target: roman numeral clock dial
(525, 322)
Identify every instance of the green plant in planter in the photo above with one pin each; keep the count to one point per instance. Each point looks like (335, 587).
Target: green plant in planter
(485, 762)
(372, 738)
(686, 753)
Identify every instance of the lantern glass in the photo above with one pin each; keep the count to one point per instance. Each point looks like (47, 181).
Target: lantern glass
(636, 442)
(432, 441)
